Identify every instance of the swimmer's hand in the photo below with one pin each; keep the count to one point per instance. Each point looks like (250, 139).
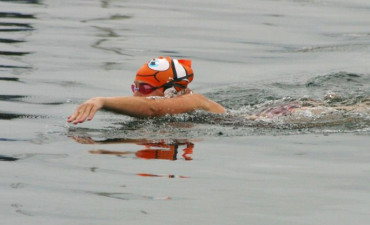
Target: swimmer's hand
(86, 110)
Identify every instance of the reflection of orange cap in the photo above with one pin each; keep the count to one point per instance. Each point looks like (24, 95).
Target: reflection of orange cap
(157, 154)
(166, 72)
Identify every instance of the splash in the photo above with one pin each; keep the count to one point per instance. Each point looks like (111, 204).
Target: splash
(337, 102)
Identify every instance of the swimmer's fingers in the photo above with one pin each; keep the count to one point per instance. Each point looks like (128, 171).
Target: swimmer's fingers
(96, 104)
(78, 115)
(84, 113)
(92, 112)
(72, 117)
(83, 140)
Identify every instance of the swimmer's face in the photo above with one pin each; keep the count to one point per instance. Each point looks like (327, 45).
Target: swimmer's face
(142, 89)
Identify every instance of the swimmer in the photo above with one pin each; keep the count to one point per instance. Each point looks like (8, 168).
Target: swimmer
(160, 88)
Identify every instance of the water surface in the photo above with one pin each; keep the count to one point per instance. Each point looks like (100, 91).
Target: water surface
(193, 168)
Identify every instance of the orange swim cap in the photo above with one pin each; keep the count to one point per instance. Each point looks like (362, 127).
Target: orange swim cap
(165, 72)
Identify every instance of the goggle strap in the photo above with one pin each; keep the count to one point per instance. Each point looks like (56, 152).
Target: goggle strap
(173, 83)
(174, 70)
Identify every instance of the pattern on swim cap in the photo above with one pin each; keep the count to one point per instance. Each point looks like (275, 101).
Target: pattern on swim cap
(159, 64)
(166, 72)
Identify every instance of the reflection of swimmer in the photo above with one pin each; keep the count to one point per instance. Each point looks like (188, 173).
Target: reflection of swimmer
(152, 150)
(165, 151)
(160, 88)
(155, 151)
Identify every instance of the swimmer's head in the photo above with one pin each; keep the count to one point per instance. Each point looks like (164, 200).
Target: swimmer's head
(165, 72)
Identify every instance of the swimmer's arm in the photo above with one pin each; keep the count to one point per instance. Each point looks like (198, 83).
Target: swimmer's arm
(183, 104)
(146, 107)
(143, 107)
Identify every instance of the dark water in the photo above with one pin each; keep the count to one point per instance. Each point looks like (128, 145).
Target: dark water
(196, 168)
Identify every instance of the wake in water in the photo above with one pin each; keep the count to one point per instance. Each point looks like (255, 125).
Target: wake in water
(305, 112)
(338, 102)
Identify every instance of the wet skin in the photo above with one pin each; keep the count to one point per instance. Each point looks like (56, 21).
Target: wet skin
(140, 106)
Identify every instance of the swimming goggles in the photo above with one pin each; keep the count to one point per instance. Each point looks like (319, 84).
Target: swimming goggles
(143, 88)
